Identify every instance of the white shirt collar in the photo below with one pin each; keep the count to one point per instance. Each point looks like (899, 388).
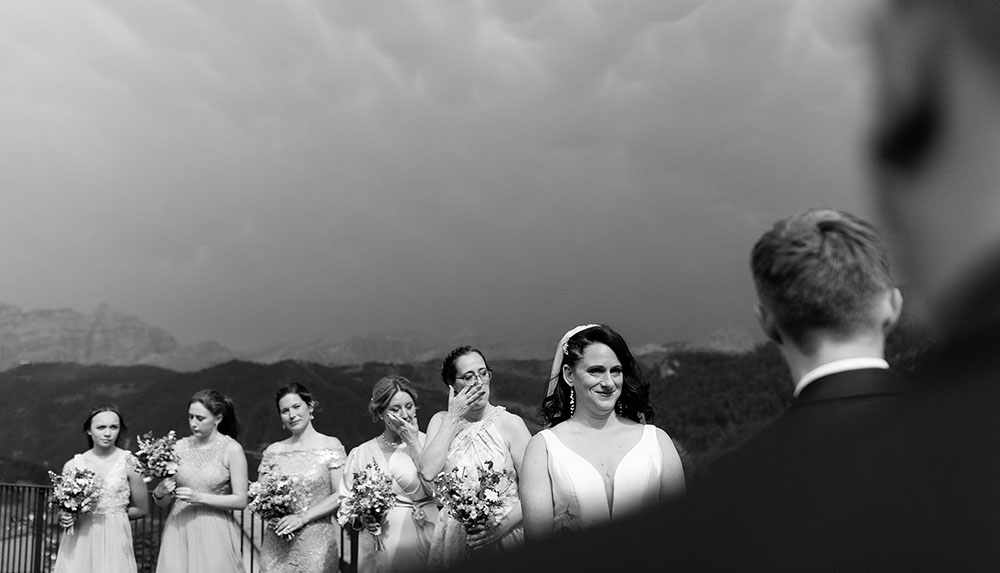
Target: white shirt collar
(838, 366)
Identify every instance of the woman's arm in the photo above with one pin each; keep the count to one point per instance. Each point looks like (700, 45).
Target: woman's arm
(292, 523)
(536, 491)
(139, 506)
(672, 483)
(162, 493)
(516, 434)
(440, 431)
(237, 482)
(443, 428)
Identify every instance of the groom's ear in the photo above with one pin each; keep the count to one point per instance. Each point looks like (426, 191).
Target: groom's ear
(765, 319)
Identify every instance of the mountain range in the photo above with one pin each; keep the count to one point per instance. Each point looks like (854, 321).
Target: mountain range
(111, 337)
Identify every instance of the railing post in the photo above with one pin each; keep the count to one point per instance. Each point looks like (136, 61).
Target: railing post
(353, 536)
(39, 528)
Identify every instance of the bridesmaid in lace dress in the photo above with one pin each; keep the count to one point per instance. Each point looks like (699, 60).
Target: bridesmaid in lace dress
(317, 460)
(409, 526)
(201, 534)
(601, 459)
(102, 540)
(471, 432)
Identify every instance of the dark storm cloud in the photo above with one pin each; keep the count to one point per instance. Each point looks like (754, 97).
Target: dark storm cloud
(264, 172)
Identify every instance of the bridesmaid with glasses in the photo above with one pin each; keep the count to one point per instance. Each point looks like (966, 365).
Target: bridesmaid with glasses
(470, 433)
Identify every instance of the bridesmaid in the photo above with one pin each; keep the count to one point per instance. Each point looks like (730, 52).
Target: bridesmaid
(317, 460)
(102, 540)
(201, 534)
(470, 433)
(409, 526)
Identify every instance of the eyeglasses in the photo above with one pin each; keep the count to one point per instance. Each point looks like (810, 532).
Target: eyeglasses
(483, 375)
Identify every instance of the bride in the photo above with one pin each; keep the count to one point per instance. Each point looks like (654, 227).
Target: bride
(600, 458)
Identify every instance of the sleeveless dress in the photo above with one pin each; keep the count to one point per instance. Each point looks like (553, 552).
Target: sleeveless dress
(579, 498)
(314, 546)
(102, 540)
(198, 538)
(474, 445)
(409, 525)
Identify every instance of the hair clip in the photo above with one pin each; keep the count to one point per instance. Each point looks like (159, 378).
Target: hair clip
(566, 348)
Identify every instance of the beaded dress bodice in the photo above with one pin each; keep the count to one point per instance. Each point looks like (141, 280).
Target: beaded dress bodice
(312, 467)
(314, 547)
(202, 467)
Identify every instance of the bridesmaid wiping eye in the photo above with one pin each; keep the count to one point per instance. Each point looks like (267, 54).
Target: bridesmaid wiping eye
(408, 527)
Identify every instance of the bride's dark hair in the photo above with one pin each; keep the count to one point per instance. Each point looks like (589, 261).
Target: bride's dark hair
(633, 403)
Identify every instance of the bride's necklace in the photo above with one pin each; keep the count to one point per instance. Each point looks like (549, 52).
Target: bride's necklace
(392, 444)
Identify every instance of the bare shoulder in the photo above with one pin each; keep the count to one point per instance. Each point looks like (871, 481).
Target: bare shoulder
(234, 447)
(537, 442)
(513, 428)
(667, 443)
(436, 420)
(71, 463)
(511, 419)
(661, 436)
(331, 442)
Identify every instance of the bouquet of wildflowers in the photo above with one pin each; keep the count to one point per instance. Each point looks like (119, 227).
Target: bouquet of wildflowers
(157, 458)
(368, 502)
(474, 498)
(74, 491)
(274, 496)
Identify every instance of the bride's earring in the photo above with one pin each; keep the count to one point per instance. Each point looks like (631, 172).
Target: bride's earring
(618, 408)
(572, 400)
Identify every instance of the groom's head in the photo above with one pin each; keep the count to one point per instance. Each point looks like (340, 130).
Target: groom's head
(823, 275)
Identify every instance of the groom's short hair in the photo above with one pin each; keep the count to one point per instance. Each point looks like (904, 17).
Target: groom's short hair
(820, 271)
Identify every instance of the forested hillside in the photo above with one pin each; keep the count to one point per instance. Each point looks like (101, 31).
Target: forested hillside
(708, 401)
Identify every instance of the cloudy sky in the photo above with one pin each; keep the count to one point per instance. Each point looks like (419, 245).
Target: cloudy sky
(261, 172)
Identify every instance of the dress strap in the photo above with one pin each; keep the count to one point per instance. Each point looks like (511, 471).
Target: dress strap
(492, 417)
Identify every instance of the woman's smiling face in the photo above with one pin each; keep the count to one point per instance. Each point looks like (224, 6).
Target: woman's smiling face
(597, 377)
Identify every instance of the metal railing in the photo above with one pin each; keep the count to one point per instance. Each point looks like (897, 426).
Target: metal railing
(30, 534)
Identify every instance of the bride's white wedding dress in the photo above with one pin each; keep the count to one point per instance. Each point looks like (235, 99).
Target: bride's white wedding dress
(579, 498)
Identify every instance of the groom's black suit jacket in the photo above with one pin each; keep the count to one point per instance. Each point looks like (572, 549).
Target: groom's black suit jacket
(832, 416)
